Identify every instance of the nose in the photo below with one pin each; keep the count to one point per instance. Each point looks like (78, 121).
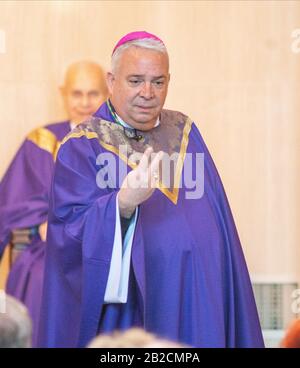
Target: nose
(85, 101)
(147, 91)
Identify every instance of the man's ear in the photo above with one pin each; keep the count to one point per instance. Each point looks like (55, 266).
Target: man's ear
(110, 81)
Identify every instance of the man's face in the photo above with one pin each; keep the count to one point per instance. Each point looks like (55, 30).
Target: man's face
(139, 86)
(83, 93)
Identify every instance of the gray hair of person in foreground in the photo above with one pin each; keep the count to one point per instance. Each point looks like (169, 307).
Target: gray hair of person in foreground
(132, 338)
(15, 324)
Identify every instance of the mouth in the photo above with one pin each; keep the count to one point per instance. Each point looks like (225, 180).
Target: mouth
(145, 108)
(85, 113)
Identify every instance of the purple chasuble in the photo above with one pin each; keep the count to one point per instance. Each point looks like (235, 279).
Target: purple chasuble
(188, 277)
(24, 196)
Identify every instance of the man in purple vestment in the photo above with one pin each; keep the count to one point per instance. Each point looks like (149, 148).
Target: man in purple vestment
(140, 230)
(24, 189)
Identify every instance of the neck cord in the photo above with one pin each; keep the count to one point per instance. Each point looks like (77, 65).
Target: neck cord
(129, 134)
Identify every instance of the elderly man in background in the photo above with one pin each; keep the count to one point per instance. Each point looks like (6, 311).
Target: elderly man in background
(24, 189)
(131, 242)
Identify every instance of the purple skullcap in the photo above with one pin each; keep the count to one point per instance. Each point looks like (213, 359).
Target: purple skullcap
(132, 36)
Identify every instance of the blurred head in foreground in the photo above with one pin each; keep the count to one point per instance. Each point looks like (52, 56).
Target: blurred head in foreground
(292, 336)
(15, 324)
(132, 338)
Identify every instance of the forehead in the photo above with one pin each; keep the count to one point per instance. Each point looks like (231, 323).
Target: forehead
(84, 79)
(141, 61)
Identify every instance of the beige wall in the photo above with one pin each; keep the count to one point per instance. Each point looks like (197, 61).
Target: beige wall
(232, 70)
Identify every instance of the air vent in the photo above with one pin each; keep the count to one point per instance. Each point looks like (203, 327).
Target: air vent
(275, 303)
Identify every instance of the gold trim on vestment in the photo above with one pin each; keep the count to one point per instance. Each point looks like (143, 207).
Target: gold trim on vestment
(171, 194)
(45, 139)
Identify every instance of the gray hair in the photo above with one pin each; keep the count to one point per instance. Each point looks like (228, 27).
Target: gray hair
(146, 43)
(132, 338)
(15, 324)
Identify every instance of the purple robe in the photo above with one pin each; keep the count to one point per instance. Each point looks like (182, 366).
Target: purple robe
(24, 195)
(188, 277)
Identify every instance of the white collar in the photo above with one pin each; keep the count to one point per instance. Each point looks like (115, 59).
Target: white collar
(72, 125)
(122, 122)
